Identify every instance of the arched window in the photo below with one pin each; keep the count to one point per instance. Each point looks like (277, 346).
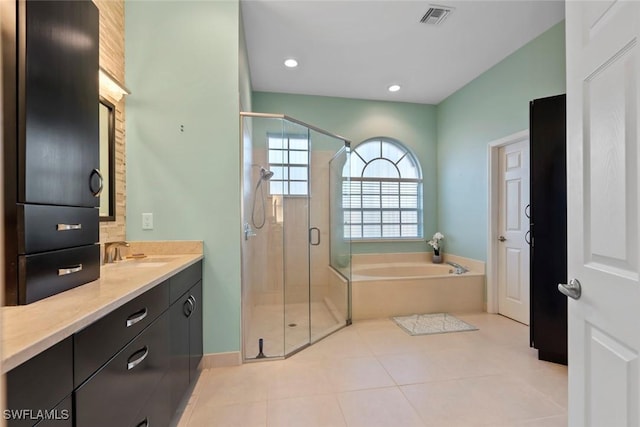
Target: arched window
(383, 197)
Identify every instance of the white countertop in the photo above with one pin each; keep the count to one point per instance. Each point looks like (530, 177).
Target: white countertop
(30, 329)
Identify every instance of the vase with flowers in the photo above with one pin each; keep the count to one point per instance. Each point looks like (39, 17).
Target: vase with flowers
(436, 244)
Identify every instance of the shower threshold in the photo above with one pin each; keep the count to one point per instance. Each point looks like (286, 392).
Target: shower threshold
(280, 338)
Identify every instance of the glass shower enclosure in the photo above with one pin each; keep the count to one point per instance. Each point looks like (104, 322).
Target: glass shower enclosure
(296, 262)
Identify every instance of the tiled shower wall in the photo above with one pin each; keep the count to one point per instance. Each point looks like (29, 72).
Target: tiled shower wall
(284, 254)
(112, 60)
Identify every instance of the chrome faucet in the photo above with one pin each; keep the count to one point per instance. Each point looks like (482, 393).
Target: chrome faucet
(112, 251)
(458, 269)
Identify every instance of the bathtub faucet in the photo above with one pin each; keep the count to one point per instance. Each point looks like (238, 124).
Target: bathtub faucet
(458, 269)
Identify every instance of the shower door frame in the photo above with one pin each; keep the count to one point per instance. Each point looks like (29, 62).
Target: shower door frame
(347, 143)
(346, 148)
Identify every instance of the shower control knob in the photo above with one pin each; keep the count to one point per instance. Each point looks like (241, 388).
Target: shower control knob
(502, 238)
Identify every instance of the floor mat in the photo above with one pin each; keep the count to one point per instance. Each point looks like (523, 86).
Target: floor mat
(433, 323)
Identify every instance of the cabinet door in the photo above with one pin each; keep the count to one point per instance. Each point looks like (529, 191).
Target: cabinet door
(40, 384)
(179, 348)
(60, 416)
(195, 332)
(548, 227)
(58, 103)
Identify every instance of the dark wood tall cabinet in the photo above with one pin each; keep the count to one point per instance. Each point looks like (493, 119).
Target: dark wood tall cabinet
(51, 152)
(548, 226)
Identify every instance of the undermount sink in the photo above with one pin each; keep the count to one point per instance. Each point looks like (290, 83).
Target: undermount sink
(149, 262)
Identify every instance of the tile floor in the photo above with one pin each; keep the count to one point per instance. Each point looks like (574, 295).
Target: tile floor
(374, 374)
(271, 322)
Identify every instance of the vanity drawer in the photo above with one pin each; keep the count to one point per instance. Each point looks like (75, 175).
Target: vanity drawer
(157, 411)
(60, 416)
(49, 273)
(94, 345)
(46, 228)
(117, 392)
(183, 281)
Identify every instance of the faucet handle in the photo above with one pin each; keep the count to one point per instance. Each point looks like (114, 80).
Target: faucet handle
(118, 256)
(112, 251)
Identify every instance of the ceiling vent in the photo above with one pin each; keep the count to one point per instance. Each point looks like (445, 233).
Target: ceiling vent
(436, 14)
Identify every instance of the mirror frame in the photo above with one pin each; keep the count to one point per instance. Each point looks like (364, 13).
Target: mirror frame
(112, 160)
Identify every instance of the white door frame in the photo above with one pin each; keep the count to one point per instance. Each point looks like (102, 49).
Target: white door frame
(493, 171)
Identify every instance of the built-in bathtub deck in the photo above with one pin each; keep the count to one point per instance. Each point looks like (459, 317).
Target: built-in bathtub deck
(396, 294)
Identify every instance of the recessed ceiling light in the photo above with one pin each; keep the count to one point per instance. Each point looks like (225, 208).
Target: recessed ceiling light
(393, 88)
(291, 63)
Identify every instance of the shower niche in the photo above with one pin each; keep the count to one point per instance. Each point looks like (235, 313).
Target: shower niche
(296, 263)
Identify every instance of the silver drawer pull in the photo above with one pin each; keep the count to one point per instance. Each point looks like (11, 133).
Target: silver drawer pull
(67, 227)
(65, 271)
(134, 363)
(136, 317)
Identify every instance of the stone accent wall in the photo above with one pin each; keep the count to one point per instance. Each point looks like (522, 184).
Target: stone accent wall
(112, 60)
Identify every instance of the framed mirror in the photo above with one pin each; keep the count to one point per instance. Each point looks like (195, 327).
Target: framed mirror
(108, 160)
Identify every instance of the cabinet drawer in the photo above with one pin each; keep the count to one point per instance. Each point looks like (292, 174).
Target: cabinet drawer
(40, 383)
(117, 392)
(94, 345)
(45, 228)
(157, 411)
(49, 273)
(183, 281)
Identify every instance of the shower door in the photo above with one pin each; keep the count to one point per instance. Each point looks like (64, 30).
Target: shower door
(296, 195)
(291, 296)
(329, 308)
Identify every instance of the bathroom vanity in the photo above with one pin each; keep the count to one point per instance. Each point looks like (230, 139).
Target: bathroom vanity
(120, 351)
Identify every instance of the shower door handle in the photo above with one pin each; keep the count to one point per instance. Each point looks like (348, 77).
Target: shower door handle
(248, 231)
(311, 233)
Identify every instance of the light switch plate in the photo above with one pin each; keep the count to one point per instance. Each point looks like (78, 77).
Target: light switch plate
(147, 221)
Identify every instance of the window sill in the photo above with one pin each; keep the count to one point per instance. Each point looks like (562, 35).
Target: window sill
(390, 240)
(289, 196)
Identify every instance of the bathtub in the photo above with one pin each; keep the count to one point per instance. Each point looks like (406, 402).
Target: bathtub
(402, 288)
(399, 271)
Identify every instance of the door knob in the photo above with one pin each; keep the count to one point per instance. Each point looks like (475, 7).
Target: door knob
(502, 238)
(572, 290)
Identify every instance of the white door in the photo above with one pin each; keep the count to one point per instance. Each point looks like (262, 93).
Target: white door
(603, 83)
(513, 225)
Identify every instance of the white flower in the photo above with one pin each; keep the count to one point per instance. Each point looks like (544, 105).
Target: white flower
(435, 240)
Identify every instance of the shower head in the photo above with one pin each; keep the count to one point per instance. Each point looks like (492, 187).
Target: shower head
(265, 175)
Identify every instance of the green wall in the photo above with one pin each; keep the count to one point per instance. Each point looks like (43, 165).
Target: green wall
(494, 105)
(186, 65)
(182, 68)
(244, 72)
(450, 139)
(357, 120)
